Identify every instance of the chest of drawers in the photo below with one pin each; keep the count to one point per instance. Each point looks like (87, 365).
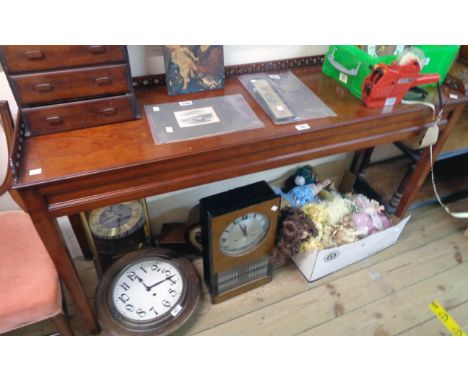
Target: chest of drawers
(67, 87)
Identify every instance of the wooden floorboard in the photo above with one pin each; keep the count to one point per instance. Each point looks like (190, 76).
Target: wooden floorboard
(385, 294)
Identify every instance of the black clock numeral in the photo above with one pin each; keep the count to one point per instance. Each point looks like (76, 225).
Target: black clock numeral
(125, 286)
(155, 267)
(154, 310)
(172, 281)
(144, 270)
(141, 313)
(130, 307)
(124, 298)
(132, 275)
(167, 272)
(166, 303)
(172, 292)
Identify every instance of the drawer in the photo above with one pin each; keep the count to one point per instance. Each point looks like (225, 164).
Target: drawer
(77, 115)
(28, 58)
(71, 84)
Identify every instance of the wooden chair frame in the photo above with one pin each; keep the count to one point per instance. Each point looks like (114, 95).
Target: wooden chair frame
(60, 321)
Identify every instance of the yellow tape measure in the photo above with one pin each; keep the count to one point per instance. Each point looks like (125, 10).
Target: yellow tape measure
(446, 319)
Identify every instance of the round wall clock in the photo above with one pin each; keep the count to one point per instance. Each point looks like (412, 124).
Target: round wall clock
(147, 292)
(117, 229)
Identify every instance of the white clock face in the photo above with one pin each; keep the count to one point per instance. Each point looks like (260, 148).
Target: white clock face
(244, 233)
(147, 290)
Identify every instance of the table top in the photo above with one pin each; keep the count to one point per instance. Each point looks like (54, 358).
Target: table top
(79, 153)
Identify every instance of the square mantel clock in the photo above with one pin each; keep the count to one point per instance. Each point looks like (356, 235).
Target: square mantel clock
(238, 234)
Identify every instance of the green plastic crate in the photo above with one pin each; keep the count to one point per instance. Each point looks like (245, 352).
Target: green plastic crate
(439, 59)
(350, 65)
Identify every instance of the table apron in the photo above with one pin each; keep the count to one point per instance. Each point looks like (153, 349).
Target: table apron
(75, 195)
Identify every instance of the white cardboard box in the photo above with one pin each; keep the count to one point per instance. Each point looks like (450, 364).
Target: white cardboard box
(315, 265)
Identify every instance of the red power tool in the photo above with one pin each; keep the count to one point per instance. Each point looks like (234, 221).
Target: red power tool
(388, 84)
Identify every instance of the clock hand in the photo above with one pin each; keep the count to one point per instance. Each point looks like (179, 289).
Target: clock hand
(243, 229)
(142, 282)
(159, 282)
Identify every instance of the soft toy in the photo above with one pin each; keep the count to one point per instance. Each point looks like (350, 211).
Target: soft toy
(295, 228)
(337, 208)
(369, 218)
(304, 175)
(299, 196)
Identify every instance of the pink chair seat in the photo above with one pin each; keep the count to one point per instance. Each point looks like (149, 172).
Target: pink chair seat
(29, 284)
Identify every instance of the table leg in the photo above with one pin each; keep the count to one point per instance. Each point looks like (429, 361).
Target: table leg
(49, 231)
(423, 166)
(361, 160)
(78, 230)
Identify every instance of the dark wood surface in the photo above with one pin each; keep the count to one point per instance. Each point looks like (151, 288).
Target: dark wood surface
(78, 115)
(61, 85)
(94, 167)
(113, 161)
(28, 58)
(50, 84)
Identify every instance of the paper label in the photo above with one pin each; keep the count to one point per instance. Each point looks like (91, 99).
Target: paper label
(155, 108)
(390, 101)
(186, 103)
(453, 96)
(274, 208)
(36, 171)
(169, 129)
(274, 76)
(303, 126)
(343, 78)
(430, 137)
(176, 310)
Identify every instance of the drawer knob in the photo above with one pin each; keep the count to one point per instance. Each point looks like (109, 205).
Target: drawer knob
(54, 120)
(34, 54)
(97, 49)
(44, 87)
(109, 111)
(105, 80)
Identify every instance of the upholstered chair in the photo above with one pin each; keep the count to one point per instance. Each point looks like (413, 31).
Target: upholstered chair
(29, 284)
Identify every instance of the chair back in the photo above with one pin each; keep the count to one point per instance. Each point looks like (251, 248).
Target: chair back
(6, 121)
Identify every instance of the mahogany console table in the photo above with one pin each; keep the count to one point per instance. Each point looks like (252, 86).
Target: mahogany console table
(95, 167)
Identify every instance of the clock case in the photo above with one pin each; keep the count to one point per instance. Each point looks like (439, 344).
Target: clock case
(229, 276)
(105, 251)
(112, 323)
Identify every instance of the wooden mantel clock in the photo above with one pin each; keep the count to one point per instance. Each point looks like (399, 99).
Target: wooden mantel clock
(238, 234)
(117, 229)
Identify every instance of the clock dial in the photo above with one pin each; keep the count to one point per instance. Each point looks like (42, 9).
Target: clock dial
(244, 233)
(147, 290)
(116, 221)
